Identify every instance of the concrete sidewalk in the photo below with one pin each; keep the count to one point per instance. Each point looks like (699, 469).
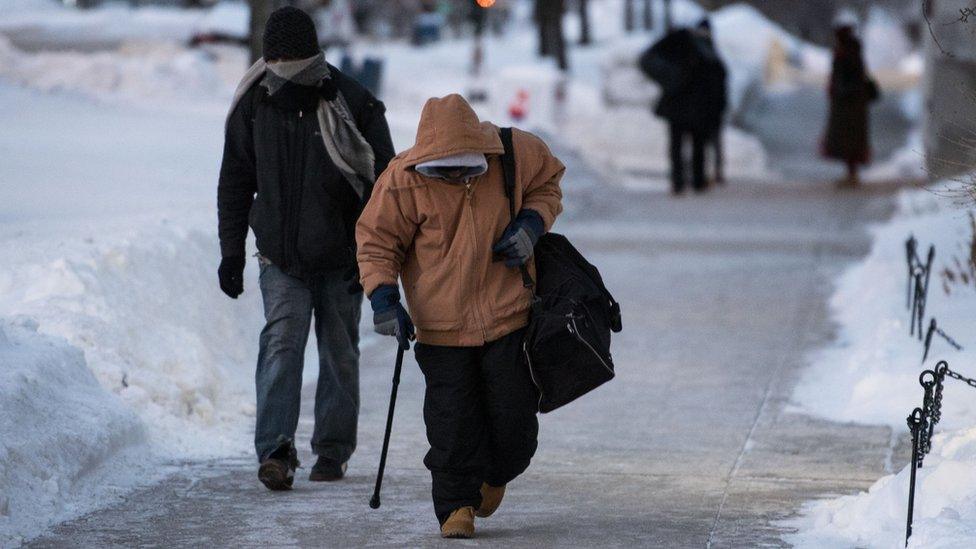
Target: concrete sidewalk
(691, 446)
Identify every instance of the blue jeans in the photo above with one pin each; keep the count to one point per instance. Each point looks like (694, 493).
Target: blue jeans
(289, 304)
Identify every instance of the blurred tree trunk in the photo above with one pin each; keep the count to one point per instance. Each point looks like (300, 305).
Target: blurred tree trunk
(539, 16)
(552, 40)
(668, 22)
(584, 15)
(648, 14)
(629, 15)
(260, 10)
(558, 8)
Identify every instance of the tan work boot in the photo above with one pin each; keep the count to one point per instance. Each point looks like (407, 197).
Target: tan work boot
(491, 498)
(460, 524)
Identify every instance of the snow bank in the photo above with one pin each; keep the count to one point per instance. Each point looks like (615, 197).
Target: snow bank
(55, 25)
(155, 332)
(137, 360)
(871, 374)
(907, 163)
(58, 426)
(945, 505)
(145, 73)
(110, 250)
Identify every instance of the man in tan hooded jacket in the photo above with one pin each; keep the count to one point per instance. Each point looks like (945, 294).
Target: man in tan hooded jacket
(439, 220)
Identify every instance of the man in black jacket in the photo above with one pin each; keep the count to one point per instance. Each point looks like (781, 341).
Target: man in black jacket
(304, 144)
(693, 99)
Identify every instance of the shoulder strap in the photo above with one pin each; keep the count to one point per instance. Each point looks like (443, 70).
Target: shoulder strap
(508, 168)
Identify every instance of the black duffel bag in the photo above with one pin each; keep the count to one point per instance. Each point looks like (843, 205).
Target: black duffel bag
(567, 343)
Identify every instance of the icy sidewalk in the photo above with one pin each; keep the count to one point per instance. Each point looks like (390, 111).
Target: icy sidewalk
(689, 445)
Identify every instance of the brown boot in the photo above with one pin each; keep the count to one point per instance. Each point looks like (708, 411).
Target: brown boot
(460, 524)
(491, 498)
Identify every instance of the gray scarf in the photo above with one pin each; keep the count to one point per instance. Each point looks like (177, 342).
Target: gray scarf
(346, 146)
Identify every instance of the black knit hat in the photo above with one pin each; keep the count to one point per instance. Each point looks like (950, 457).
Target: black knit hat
(290, 34)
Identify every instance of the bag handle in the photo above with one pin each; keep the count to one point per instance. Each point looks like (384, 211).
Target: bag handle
(508, 167)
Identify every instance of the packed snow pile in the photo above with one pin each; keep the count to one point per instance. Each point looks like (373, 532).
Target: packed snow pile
(135, 354)
(945, 505)
(49, 23)
(872, 376)
(58, 427)
(153, 329)
(148, 73)
(109, 246)
(906, 163)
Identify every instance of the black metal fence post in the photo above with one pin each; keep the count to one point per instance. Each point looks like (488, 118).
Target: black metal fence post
(914, 424)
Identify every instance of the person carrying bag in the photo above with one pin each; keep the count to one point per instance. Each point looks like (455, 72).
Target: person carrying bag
(439, 223)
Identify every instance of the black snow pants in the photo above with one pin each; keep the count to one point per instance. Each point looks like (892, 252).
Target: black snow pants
(480, 411)
(698, 139)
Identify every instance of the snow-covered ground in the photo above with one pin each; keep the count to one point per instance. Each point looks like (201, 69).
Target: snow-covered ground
(871, 376)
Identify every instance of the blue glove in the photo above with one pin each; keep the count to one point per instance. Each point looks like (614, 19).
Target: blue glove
(389, 316)
(518, 241)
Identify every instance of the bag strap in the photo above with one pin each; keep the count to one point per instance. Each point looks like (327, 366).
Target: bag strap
(508, 167)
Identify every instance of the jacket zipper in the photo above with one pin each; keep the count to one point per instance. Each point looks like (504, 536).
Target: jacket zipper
(571, 326)
(469, 191)
(528, 362)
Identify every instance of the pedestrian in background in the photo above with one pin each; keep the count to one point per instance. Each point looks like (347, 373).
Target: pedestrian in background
(850, 91)
(692, 78)
(715, 86)
(440, 221)
(303, 145)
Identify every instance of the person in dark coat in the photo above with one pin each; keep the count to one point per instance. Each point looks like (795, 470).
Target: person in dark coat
(715, 105)
(850, 91)
(692, 78)
(304, 144)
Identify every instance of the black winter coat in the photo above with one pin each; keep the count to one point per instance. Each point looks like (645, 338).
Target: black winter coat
(692, 77)
(851, 90)
(277, 177)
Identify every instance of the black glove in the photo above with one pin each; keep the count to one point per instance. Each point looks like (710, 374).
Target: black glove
(231, 275)
(518, 241)
(389, 316)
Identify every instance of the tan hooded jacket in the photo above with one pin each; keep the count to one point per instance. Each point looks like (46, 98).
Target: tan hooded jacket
(437, 235)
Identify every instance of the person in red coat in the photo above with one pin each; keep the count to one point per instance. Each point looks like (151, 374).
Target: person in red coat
(850, 92)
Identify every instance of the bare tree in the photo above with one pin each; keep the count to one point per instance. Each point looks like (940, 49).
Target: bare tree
(552, 40)
(629, 15)
(648, 13)
(584, 15)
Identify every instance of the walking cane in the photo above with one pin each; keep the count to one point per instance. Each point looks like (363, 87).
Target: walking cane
(374, 502)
